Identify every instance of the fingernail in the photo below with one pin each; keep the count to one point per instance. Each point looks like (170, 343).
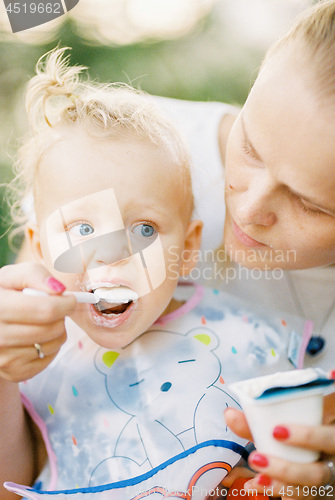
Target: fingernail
(247, 486)
(264, 480)
(259, 460)
(55, 285)
(281, 433)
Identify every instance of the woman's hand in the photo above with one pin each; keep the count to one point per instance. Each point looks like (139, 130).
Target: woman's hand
(26, 321)
(278, 477)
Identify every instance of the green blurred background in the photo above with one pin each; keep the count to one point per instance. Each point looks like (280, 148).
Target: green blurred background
(212, 55)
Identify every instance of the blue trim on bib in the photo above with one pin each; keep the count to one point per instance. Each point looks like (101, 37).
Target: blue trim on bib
(220, 443)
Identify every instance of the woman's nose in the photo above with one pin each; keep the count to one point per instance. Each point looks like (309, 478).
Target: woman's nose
(256, 204)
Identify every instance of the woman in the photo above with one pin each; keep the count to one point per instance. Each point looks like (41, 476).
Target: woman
(280, 213)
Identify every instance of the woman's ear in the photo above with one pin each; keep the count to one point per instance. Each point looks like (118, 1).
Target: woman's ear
(32, 235)
(190, 255)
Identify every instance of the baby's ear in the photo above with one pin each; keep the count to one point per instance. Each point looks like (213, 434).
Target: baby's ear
(32, 235)
(190, 255)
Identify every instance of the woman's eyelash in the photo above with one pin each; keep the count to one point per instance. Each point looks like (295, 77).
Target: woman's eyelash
(248, 150)
(308, 210)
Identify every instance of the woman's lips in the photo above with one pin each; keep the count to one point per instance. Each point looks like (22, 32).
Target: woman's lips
(244, 238)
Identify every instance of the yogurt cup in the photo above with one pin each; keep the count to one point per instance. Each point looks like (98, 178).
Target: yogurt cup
(293, 397)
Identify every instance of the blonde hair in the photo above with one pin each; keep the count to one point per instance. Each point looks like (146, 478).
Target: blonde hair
(315, 30)
(57, 97)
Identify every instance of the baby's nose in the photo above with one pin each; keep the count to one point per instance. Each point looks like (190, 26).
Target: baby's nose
(111, 248)
(102, 250)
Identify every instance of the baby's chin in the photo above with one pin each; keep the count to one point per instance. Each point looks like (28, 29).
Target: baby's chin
(105, 335)
(112, 339)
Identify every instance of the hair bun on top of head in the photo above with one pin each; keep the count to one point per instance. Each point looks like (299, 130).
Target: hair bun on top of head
(56, 94)
(54, 78)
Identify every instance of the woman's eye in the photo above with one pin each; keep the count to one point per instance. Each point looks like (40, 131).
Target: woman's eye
(82, 229)
(144, 230)
(249, 151)
(307, 209)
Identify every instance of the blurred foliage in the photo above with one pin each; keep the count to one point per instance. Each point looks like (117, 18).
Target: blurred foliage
(204, 65)
(6, 254)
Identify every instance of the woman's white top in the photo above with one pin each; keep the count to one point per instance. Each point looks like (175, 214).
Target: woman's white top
(198, 123)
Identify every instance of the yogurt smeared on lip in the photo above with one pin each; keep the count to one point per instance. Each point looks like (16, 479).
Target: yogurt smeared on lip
(114, 299)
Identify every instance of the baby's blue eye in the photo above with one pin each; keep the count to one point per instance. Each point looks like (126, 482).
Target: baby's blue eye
(144, 230)
(81, 229)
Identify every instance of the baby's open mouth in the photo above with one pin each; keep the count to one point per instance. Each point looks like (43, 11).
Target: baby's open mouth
(114, 300)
